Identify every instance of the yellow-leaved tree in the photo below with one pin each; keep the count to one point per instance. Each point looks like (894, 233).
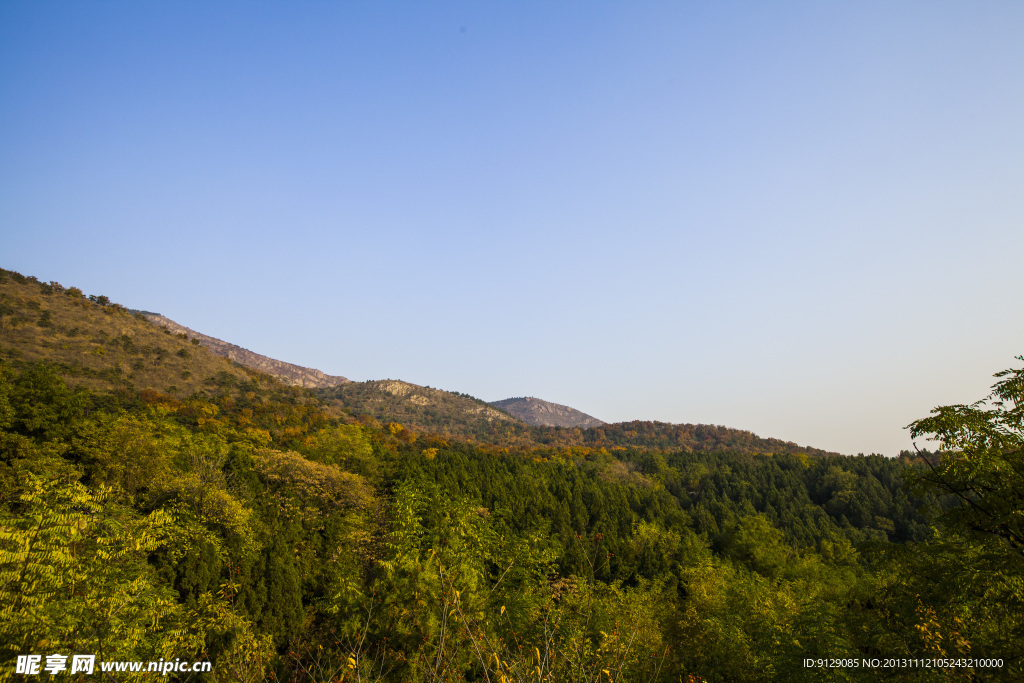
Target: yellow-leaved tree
(74, 579)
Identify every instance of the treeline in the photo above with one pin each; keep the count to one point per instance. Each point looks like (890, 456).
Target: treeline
(664, 436)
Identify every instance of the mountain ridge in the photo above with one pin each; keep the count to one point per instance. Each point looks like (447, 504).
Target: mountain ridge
(102, 345)
(289, 373)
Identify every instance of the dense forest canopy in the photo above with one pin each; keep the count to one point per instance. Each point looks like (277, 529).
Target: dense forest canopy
(149, 514)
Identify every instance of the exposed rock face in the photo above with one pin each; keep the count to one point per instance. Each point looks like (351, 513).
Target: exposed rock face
(422, 409)
(289, 373)
(396, 387)
(538, 413)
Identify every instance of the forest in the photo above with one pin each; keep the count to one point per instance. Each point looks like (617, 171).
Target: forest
(261, 528)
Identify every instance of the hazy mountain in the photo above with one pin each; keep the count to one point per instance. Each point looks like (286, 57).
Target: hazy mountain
(538, 413)
(289, 373)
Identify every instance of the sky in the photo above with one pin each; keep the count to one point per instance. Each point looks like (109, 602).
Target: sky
(804, 219)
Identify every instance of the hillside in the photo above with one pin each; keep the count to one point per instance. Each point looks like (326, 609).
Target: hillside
(100, 345)
(538, 413)
(289, 373)
(665, 436)
(425, 409)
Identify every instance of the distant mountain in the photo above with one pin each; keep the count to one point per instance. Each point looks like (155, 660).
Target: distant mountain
(289, 373)
(425, 409)
(538, 413)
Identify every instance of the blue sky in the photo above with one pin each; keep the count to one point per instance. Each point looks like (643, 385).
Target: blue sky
(804, 219)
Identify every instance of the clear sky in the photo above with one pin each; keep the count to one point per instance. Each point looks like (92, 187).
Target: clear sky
(805, 219)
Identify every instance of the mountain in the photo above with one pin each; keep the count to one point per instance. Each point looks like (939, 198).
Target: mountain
(101, 345)
(425, 409)
(289, 373)
(538, 413)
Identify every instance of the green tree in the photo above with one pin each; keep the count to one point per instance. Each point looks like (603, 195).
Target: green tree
(976, 563)
(43, 406)
(982, 461)
(73, 574)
